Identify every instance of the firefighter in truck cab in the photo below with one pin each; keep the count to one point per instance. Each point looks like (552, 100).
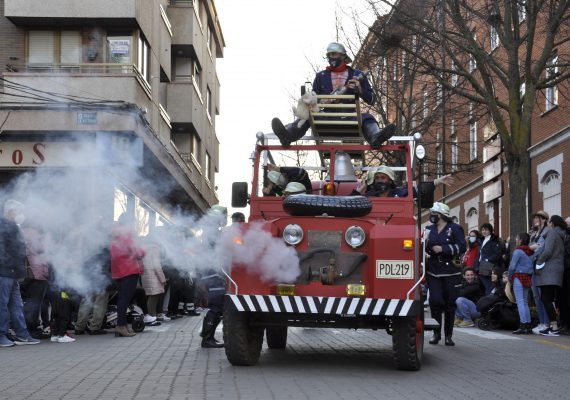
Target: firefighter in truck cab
(445, 242)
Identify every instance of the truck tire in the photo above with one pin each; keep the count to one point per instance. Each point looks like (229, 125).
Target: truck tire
(408, 342)
(336, 206)
(242, 341)
(276, 337)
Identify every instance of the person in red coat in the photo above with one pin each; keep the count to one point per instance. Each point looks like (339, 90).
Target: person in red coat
(126, 268)
(472, 254)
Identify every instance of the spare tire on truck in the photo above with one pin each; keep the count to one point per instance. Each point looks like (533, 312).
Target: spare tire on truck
(335, 206)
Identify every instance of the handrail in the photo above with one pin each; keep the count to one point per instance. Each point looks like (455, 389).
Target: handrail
(231, 280)
(424, 268)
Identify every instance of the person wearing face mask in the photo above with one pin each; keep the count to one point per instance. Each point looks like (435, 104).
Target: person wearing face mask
(12, 269)
(445, 241)
(472, 254)
(339, 75)
(379, 182)
(490, 256)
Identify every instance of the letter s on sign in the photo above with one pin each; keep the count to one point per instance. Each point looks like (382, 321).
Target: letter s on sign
(38, 149)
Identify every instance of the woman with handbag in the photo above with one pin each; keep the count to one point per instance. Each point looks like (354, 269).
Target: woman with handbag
(445, 242)
(490, 256)
(520, 274)
(537, 233)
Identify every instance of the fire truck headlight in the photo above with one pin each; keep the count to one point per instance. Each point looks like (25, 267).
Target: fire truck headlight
(355, 236)
(292, 234)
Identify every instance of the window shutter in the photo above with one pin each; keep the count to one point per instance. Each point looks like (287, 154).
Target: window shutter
(40, 47)
(70, 47)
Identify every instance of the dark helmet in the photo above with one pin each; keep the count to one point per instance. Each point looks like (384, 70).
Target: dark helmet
(238, 217)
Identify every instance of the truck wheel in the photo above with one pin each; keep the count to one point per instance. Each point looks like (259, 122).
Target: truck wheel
(276, 337)
(336, 206)
(241, 340)
(408, 342)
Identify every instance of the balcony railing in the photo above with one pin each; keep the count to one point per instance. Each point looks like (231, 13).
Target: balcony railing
(84, 68)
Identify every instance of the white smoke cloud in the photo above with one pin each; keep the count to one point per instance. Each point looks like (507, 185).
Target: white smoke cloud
(73, 207)
(261, 253)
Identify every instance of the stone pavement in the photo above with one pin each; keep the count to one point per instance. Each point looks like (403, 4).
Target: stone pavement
(166, 362)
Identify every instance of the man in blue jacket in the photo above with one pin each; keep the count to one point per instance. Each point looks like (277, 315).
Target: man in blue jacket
(338, 75)
(12, 269)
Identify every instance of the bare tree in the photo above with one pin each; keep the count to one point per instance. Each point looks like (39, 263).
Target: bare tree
(500, 57)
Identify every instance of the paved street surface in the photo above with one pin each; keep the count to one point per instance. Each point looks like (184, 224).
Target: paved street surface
(166, 362)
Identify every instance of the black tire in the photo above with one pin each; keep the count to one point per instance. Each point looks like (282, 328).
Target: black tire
(336, 206)
(138, 325)
(242, 341)
(484, 324)
(239, 194)
(408, 342)
(276, 337)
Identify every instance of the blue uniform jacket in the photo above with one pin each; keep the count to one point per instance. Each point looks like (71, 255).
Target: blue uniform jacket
(452, 241)
(323, 85)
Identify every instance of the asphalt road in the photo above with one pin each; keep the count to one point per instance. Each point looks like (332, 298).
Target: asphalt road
(166, 362)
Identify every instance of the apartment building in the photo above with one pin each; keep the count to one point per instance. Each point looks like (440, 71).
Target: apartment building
(133, 80)
(461, 136)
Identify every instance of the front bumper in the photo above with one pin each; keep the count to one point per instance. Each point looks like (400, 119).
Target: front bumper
(341, 306)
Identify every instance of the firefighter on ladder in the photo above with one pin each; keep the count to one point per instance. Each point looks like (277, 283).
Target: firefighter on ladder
(445, 242)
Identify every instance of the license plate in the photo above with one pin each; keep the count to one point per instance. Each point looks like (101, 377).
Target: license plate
(394, 269)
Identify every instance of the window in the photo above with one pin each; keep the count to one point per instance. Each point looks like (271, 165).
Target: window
(472, 219)
(121, 199)
(472, 134)
(494, 38)
(551, 185)
(454, 76)
(454, 147)
(143, 59)
(54, 47)
(182, 69)
(522, 89)
(426, 104)
(196, 147)
(472, 61)
(119, 49)
(439, 94)
(552, 92)
(41, 47)
(439, 150)
(197, 77)
(142, 217)
(196, 6)
(207, 166)
(414, 120)
(210, 42)
(208, 102)
(521, 5)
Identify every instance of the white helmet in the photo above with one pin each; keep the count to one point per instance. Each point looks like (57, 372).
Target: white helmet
(335, 47)
(383, 169)
(277, 178)
(441, 208)
(294, 188)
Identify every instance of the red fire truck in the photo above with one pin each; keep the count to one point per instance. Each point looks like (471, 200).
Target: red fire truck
(360, 258)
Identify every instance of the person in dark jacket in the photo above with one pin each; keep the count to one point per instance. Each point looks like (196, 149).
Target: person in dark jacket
(12, 269)
(490, 256)
(336, 76)
(445, 241)
(550, 270)
(469, 293)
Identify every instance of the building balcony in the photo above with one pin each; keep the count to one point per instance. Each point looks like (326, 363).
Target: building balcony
(90, 82)
(57, 12)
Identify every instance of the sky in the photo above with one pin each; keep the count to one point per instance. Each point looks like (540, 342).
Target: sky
(272, 48)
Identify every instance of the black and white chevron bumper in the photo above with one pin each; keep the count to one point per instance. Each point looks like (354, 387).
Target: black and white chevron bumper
(324, 305)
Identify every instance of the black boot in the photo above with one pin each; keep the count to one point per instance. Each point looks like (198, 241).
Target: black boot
(290, 133)
(521, 331)
(448, 341)
(373, 135)
(436, 337)
(208, 330)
